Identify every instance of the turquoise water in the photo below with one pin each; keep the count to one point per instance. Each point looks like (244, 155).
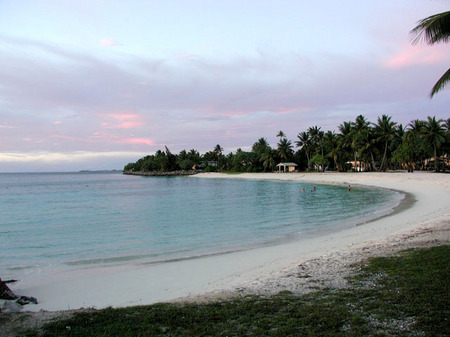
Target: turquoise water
(62, 221)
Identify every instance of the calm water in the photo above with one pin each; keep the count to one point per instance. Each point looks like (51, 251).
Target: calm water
(51, 222)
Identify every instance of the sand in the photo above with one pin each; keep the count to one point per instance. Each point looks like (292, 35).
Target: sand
(422, 220)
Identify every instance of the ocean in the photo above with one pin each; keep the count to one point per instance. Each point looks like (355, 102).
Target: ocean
(52, 222)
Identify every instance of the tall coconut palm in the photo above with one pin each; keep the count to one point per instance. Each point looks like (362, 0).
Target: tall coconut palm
(285, 149)
(260, 146)
(433, 132)
(366, 146)
(316, 136)
(218, 150)
(385, 132)
(281, 134)
(332, 147)
(345, 139)
(434, 29)
(304, 143)
(416, 126)
(268, 159)
(359, 127)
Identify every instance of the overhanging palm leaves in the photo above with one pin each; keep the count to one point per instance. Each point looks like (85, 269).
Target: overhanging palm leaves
(434, 29)
(440, 83)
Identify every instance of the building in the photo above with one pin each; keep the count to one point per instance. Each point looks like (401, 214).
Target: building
(358, 166)
(287, 167)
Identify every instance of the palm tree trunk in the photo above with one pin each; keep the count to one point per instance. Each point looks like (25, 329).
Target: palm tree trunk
(435, 159)
(384, 156)
(374, 166)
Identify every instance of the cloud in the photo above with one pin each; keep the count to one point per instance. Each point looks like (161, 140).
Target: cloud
(66, 161)
(122, 120)
(138, 141)
(72, 157)
(108, 43)
(75, 101)
(416, 55)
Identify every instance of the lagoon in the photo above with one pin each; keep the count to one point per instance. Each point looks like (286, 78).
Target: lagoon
(53, 222)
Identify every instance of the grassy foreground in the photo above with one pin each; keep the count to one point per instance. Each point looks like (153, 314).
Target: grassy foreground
(405, 295)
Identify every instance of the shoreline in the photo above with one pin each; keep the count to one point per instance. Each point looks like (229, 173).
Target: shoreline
(265, 270)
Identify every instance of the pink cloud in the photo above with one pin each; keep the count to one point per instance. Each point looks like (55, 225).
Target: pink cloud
(138, 141)
(185, 56)
(68, 137)
(283, 110)
(121, 121)
(57, 122)
(108, 43)
(213, 111)
(416, 55)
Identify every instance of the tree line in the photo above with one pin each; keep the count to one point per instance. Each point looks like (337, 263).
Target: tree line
(358, 145)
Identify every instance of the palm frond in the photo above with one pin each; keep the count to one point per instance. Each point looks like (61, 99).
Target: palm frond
(441, 83)
(433, 29)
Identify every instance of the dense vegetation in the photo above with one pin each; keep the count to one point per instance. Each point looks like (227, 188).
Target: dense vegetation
(370, 146)
(405, 295)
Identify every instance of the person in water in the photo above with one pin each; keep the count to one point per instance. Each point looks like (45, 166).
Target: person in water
(349, 188)
(314, 189)
(303, 190)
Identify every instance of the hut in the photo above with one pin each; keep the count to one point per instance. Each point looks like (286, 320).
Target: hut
(287, 167)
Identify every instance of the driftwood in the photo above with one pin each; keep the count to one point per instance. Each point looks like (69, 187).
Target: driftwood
(8, 281)
(8, 294)
(5, 292)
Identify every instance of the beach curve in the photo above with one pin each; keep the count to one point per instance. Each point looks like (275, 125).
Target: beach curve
(263, 270)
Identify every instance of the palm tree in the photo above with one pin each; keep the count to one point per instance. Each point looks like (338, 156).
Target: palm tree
(366, 146)
(385, 131)
(416, 126)
(433, 132)
(285, 149)
(316, 138)
(304, 143)
(345, 139)
(447, 125)
(218, 150)
(260, 146)
(281, 134)
(434, 29)
(359, 127)
(268, 159)
(332, 146)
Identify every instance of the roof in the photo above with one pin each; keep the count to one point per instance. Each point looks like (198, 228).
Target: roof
(287, 164)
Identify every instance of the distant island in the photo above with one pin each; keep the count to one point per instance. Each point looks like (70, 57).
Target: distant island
(99, 171)
(162, 173)
(358, 146)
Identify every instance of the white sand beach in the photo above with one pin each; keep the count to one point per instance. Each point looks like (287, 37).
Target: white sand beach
(295, 266)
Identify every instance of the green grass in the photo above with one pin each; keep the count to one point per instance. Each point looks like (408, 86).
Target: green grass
(405, 295)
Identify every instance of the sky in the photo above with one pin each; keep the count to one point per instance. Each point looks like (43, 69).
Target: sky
(96, 84)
